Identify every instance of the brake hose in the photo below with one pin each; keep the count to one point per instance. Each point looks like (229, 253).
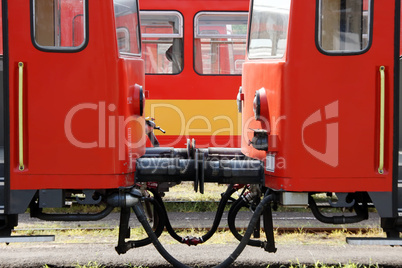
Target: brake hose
(159, 227)
(139, 211)
(234, 209)
(189, 240)
(361, 213)
(124, 246)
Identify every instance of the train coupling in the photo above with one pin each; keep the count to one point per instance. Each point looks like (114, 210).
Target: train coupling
(220, 165)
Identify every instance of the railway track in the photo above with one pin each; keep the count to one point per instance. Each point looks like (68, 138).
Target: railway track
(279, 230)
(284, 222)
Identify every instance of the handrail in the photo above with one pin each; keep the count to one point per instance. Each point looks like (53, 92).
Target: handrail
(20, 115)
(382, 119)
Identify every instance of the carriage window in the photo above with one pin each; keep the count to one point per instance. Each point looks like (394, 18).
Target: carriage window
(59, 24)
(268, 28)
(343, 26)
(162, 37)
(220, 42)
(127, 27)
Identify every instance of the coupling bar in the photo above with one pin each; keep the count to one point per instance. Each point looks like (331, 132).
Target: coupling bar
(215, 153)
(165, 152)
(199, 170)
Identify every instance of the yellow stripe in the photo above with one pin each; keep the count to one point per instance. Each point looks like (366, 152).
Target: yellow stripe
(195, 117)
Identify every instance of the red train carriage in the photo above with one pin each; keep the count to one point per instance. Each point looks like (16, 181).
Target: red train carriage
(73, 101)
(321, 101)
(193, 52)
(312, 123)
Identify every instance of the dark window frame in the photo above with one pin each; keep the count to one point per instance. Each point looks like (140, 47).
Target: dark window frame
(343, 53)
(182, 33)
(249, 35)
(194, 34)
(60, 49)
(138, 37)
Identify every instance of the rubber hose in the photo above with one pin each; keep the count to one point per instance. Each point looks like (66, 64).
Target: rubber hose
(361, 214)
(218, 216)
(73, 217)
(234, 209)
(232, 216)
(158, 230)
(169, 228)
(139, 211)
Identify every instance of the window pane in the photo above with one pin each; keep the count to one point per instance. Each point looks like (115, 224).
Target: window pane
(127, 26)
(59, 24)
(220, 42)
(343, 25)
(162, 37)
(269, 27)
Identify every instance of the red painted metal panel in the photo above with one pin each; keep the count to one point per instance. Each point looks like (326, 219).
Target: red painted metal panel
(325, 110)
(78, 129)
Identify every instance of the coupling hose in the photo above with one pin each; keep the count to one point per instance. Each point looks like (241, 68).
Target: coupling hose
(361, 213)
(193, 241)
(234, 209)
(139, 211)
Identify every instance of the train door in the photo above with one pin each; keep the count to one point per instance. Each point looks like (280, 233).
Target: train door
(41, 60)
(74, 93)
(324, 71)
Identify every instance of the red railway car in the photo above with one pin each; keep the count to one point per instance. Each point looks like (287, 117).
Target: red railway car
(321, 103)
(193, 52)
(73, 120)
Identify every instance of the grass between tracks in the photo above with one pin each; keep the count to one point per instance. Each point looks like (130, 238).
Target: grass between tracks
(182, 198)
(318, 264)
(185, 192)
(109, 236)
(296, 264)
(94, 264)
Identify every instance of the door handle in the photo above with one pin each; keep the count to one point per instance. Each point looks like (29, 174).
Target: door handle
(21, 115)
(382, 119)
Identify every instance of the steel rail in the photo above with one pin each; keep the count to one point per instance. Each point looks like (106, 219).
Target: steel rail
(279, 230)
